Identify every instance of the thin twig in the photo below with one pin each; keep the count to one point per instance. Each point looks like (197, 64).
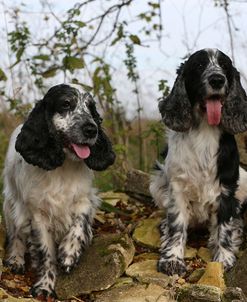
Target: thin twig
(229, 27)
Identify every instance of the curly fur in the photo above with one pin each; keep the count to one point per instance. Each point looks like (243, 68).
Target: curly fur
(200, 181)
(49, 201)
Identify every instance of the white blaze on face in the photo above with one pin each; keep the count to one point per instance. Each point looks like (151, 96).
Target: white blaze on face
(64, 122)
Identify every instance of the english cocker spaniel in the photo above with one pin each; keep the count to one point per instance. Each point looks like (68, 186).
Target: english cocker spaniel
(49, 201)
(200, 180)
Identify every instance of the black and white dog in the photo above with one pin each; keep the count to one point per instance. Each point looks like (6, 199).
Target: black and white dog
(201, 181)
(49, 200)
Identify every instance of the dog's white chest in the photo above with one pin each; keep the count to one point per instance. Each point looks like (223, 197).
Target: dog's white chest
(66, 189)
(192, 168)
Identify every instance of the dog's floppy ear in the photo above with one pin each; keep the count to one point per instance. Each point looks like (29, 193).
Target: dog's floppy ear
(175, 109)
(234, 111)
(37, 142)
(102, 154)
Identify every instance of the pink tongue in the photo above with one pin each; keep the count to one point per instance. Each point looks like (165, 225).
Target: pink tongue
(82, 151)
(213, 111)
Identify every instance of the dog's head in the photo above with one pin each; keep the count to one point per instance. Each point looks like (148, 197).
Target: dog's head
(207, 86)
(65, 123)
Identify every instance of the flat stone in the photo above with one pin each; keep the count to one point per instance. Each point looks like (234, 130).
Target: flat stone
(213, 275)
(237, 276)
(146, 272)
(101, 265)
(196, 275)
(205, 254)
(134, 293)
(146, 256)
(199, 293)
(5, 297)
(190, 253)
(147, 233)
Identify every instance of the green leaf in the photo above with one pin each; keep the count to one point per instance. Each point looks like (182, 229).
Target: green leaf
(84, 86)
(154, 5)
(42, 57)
(19, 53)
(2, 75)
(51, 72)
(80, 23)
(72, 63)
(135, 39)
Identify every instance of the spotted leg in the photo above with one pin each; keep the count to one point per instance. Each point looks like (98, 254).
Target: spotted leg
(226, 232)
(173, 236)
(43, 242)
(78, 237)
(17, 230)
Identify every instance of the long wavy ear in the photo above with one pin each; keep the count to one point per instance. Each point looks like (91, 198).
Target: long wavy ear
(176, 109)
(102, 154)
(37, 142)
(234, 110)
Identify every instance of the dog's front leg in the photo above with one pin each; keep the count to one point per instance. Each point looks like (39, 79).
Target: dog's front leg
(44, 245)
(226, 231)
(174, 234)
(78, 237)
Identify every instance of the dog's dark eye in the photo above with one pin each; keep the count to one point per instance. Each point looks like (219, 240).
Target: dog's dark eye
(66, 105)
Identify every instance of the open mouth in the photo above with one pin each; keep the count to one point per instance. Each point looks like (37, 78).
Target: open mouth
(213, 105)
(82, 151)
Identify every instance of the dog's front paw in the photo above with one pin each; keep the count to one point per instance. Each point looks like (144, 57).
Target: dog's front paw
(171, 266)
(16, 265)
(43, 294)
(68, 259)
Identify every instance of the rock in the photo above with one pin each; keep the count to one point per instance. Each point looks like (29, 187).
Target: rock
(199, 293)
(5, 297)
(190, 253)
(238, 274)
(101, 265)
(2, 240)
(146, 272)
(147, 233)
(196, 275)
(213, 275)
(242, 147)
(205, 254)
(234, 294)
(134, 293)
(137, 184)
(146, 256)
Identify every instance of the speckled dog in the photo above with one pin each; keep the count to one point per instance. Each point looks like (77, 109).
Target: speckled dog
(49, 200)
(200, 181)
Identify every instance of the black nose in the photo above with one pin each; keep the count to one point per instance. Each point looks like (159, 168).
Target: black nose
(89, 130)
(217, 81)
